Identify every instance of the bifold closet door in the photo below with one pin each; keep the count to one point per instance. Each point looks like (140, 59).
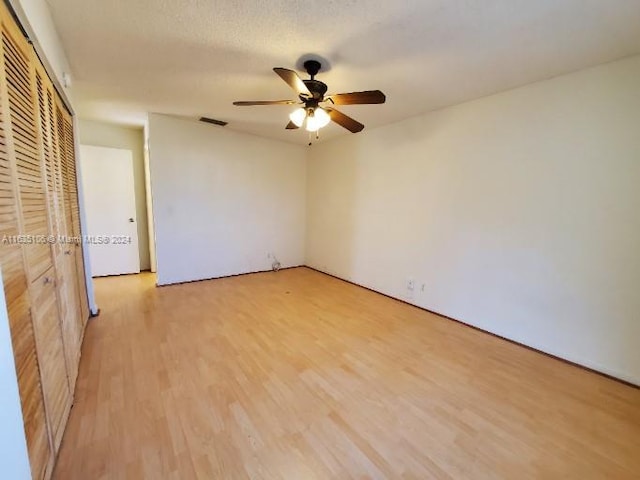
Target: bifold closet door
(25, 150)
(13, 266)
(71, 206)
(63, 248)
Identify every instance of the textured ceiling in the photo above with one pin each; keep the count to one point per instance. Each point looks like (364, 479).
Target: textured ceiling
(194, 57)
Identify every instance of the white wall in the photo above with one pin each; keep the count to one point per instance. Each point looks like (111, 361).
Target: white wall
(223, 200)
(14, 459)
(519, 213)
(101, 134)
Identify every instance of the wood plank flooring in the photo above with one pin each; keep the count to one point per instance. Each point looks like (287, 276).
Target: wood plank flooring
(297, 375)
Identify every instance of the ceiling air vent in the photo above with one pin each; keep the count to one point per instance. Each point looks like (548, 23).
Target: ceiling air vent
(213, 121)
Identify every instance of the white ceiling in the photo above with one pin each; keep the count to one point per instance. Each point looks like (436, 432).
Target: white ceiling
(194, 57)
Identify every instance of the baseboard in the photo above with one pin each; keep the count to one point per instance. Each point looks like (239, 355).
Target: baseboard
(612, 376)
(226, 276)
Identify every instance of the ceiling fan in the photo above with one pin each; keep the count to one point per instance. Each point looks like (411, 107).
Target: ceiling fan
(311, 93)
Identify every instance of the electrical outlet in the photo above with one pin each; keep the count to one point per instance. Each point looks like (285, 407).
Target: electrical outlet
(410, 284)
(422, 288)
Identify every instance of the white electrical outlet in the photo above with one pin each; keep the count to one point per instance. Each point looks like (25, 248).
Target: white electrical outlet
(422, 287)
(410, 284)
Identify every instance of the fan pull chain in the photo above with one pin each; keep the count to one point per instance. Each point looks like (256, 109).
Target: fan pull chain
(317, 136)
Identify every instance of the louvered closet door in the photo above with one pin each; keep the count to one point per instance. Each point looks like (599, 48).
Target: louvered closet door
(68, 300)
(15, 282)
(73, 252)
(33, 219)
(72, 210)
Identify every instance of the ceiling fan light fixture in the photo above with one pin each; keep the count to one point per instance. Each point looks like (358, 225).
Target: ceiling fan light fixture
(320, 118)
(298, 116)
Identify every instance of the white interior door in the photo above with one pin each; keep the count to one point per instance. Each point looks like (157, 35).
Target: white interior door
(110, 203)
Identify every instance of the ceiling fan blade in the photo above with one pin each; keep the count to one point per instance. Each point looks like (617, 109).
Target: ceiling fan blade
(291, 126)
(344, 120)
(265, 102)
(293, 80)
(358, 98)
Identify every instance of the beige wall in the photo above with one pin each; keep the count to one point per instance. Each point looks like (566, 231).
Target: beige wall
(517, 213)
(107, 135)
(223, 202)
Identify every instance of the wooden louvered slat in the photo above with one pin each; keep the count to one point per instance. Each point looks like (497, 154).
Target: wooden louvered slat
(18, 299)
(20, 107)
(27, 143)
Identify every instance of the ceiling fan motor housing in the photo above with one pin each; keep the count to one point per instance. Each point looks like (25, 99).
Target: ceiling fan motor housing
(317, 88)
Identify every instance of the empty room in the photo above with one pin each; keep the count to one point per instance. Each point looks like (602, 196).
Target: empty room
(320, 240)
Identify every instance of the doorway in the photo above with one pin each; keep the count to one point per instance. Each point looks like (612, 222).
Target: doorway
(110, 205)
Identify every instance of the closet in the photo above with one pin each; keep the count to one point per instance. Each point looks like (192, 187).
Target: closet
(40, 250)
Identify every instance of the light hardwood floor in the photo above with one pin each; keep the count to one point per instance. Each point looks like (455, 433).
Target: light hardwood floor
(297, 375)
